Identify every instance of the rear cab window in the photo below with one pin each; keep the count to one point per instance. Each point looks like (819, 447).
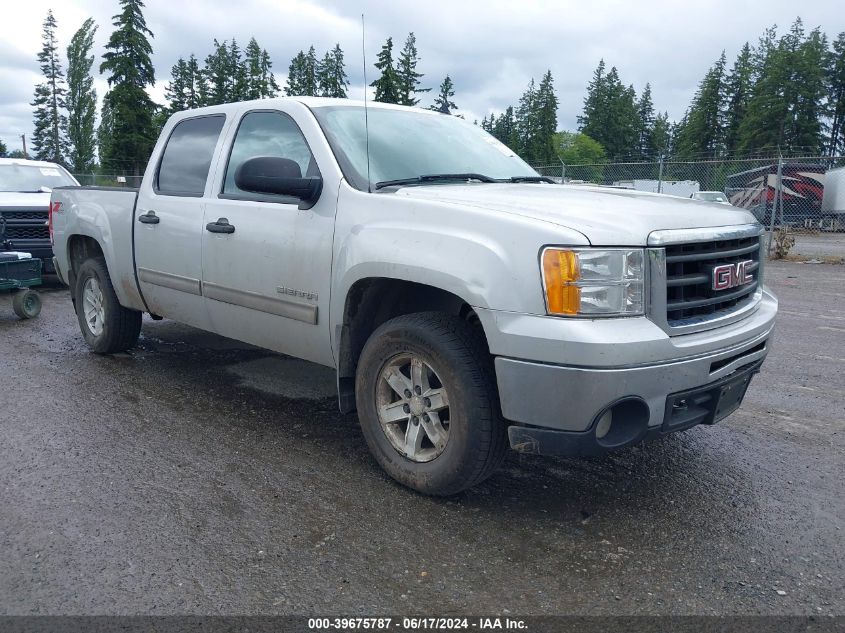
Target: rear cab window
(186, 160)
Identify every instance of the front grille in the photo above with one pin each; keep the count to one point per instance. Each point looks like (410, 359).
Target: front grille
(27, 232)
(25, 215)
(689, 278)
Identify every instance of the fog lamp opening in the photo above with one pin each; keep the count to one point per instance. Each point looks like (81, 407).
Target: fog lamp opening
(622, 423)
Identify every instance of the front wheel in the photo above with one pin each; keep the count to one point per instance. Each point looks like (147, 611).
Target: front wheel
(428, 405)
(106, 325)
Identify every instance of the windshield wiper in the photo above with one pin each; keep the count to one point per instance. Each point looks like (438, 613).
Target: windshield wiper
(531, 179)
(432, 178)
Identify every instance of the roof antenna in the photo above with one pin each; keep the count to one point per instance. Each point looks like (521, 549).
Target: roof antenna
(366, 118)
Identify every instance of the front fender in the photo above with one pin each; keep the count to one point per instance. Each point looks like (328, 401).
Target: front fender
(488, 259)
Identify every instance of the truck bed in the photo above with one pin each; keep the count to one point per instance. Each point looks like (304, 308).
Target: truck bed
(79, 209)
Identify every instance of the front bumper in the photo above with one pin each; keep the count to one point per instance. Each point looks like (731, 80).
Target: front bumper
(702, 405)
(602, 369)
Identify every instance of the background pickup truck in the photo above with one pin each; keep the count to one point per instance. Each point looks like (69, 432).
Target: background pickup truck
(25, 187)
(465, 302)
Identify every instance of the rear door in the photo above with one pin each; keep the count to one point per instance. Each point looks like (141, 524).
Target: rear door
(169, 222)
(267, 282)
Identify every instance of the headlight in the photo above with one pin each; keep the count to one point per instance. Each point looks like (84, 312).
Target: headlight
(594, 282)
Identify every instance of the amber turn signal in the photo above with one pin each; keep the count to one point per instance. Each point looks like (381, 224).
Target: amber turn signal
(560, 270)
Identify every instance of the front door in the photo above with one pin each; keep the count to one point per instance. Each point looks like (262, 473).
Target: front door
(169, 223)
(266, 278)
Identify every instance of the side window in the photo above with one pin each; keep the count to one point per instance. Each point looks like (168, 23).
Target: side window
(187, 156)
(267, 134)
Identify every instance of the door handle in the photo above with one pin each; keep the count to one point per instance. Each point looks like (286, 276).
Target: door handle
(221, 226)
(149, 217)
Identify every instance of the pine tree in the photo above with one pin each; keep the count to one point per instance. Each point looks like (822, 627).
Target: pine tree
(387, 85)
(526, 122)
(268, 79)
(738, 87)
(595, 104)
(406, 69)
(177, 87)
(296, 72)
(785, 108)
(443, 101)
(836, 96)
(81, 99)
(807, 131)
(105, 132)
(218, 74)
(252, 63)
(260, 82)
(127, 59)
(545, 113)
(309, 77)
(610, 113)
(645, 113)
(203, 86)
(503, 128)
(331, 75)
(194, 84)
(661, 136)
(302, 75)
(3, 148)
(766, 45)
(238, 74)
(48, 140)
(763, 124)
(184, 92)
(702, 132)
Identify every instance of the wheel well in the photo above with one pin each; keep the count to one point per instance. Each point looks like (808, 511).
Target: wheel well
(80, 248)
(371, 302)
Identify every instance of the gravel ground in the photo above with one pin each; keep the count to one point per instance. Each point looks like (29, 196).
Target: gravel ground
(819, 244)
(200, 475)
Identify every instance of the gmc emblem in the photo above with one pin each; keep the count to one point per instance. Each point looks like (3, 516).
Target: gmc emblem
(732, 275)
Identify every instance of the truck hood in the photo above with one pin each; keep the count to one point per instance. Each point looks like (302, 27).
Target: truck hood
(17, 200)
(607, 217)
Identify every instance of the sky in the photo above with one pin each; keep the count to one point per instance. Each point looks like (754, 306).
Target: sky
(491, 49)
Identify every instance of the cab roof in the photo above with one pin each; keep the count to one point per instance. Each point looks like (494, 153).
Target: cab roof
(27, 162)
(310, 102)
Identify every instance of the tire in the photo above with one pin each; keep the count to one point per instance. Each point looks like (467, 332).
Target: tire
(116, 329)
(26, 304)
(450, 355)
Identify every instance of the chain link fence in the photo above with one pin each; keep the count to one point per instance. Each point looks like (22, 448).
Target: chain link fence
(806, 192)
(108, 180)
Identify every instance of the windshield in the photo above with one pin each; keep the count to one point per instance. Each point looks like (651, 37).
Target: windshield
(711, 196)
(31, 178)
(409, 143)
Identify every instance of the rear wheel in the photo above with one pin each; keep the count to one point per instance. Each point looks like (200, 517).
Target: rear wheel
(106, 325)
(428, 405)
(27, 304)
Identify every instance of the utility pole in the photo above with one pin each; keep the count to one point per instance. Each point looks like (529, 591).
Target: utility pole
(23, 140)
(777, 203)
(660, 175)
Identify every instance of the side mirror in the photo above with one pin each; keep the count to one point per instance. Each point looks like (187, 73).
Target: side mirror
(278, 176)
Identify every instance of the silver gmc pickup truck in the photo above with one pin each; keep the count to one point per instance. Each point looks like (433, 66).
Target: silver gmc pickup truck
(465, 302)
